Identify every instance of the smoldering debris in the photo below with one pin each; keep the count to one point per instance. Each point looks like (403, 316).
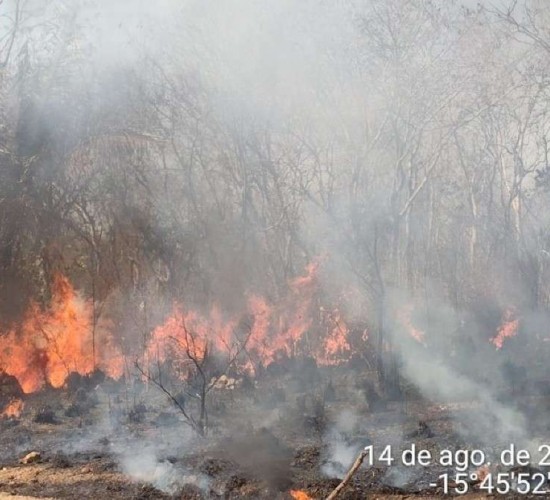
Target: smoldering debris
(261, 455)
(143, 465)
(343, 445)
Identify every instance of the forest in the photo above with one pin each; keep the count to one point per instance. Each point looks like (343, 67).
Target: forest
(195, 192)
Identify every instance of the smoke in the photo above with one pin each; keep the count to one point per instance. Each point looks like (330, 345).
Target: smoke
(445, 368)
(142, 463)
(489, 422)
(153, 454)
(342, 444)
(202, 151)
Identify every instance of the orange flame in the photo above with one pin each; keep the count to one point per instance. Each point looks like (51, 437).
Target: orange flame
(335, 346)
(281, 329)
(507, 329)
(54, 342)
(275, 330)
(405, 318)
(13, 409)
(300, 495)
(190, 334)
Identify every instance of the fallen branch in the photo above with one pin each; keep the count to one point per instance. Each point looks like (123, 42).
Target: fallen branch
(349, 475)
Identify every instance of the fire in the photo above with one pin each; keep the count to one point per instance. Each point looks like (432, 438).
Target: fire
(13, 409)
(51, 343)
(300, 495)
(282, 329)
(187, 332)
(335, 345)
(405, 318)
(278, 329)
(285, 327)
(507, 329)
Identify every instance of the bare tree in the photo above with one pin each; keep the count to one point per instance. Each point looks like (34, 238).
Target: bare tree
(201, 371)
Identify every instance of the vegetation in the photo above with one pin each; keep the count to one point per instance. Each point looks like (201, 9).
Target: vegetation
(411, 147)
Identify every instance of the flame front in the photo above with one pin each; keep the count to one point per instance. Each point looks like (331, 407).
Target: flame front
(275, 330)
(52, 343)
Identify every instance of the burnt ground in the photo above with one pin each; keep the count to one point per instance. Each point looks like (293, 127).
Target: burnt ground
(265, 439)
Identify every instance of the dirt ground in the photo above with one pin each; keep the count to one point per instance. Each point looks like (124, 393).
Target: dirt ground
(263, 443)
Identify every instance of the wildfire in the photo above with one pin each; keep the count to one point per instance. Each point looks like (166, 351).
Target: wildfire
(300, 495)
(507, 329)
(13, 409)
(52, 343)
(274, 329)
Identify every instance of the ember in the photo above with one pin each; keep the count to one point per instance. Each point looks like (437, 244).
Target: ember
(13, 409)
(299, 495)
